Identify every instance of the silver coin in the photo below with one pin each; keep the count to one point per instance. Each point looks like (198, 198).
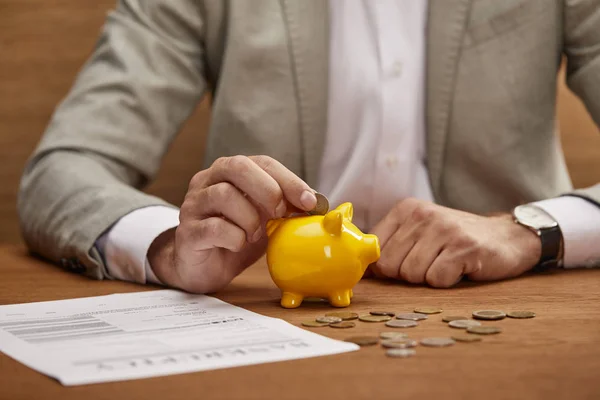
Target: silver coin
(322, 206)
(412, 316)
(437, 342)
(489, 315)
(393, 335)
(401, 323)
(463, 323)
(328, 319)
(400, 353)
(399, 343)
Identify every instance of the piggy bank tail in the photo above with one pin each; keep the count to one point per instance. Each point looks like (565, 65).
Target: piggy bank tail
(273, 224)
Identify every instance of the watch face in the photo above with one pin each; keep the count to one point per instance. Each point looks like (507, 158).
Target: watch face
(534, 217)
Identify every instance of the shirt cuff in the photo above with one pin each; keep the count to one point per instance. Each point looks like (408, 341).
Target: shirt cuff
(125, 245)
(579, 221)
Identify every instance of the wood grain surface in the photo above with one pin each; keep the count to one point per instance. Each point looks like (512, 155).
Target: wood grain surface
(553, 356)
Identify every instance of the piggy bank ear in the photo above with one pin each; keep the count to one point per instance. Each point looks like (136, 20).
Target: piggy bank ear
(332, 222)
(347, 210)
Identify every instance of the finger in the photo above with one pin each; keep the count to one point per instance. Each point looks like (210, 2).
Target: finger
(253, 180)
(404, 211)
(385, 229)
(446, 270)
(295, 190)
(213, 232)
(226, 200)
(395, 251)
(420, 258)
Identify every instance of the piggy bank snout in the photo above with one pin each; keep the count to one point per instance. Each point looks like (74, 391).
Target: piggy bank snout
(370, 250)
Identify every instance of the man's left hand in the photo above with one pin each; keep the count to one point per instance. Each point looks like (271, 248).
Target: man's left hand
(423, 242)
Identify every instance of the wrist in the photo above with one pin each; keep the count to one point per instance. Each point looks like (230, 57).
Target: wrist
(161, 257)
(527, 243)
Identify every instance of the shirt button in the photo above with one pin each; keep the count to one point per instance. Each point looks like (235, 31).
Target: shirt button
(397, 68)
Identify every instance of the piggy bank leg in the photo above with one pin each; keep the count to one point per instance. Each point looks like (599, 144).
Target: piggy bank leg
(340, 298)
(351, 293)
(291, 300)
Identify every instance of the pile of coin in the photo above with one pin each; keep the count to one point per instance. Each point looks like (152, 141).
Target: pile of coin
(398, 344)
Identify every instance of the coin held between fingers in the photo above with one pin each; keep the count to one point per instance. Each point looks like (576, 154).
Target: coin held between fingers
(322, 205)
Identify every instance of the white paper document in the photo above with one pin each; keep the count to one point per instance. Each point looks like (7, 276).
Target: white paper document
(138, 335)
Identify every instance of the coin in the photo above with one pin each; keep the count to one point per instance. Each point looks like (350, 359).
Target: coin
(448, 318)
(393, 335)
(437, 342)
(322, 205)
(343, 325)
(363, 340)
(521, 314)
(490, 315)
(401, 323)
(314, 300)
(400, 353)
(374, 318)
(484, 330)
(314, 324)
(428, 310)
(412, 316)
(398, 343)
(466, 338)
(328, 320)
(388, 313)
(345, 316)
(463, 323)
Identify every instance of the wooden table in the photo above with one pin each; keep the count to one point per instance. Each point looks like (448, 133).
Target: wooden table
(555, 355)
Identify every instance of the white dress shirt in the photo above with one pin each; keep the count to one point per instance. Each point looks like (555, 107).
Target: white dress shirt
(374, 152)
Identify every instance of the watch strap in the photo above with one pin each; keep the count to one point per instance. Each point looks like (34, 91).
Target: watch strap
(551, 239)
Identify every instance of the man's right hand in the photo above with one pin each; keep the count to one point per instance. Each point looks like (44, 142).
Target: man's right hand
(222, 221)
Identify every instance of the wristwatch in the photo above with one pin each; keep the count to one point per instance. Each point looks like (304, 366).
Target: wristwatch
(542, 224)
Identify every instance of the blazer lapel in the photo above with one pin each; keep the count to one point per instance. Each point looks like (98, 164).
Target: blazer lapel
(446, 26)
(308, 30)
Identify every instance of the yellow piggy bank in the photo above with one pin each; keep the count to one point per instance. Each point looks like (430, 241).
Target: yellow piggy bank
(319, 256)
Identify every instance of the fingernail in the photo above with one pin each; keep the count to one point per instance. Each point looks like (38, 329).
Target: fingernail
(280, 210)
(308, 200)
(257, 235)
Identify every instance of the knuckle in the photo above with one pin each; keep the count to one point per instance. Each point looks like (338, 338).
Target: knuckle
(446, 228)
(220, 163)
(403, 205)
(469, 243)
(441, 277)
(422, 213)
(239, 164)
(273, 196)
(185, 211)
(265, 162)
(410, 272)
(213, 227)
(197, 180)
(221, 193)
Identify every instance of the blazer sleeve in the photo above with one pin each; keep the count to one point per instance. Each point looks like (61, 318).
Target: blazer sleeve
(582, 48)
(108, 136)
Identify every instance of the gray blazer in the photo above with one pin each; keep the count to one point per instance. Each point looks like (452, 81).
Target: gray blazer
(491, 89)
